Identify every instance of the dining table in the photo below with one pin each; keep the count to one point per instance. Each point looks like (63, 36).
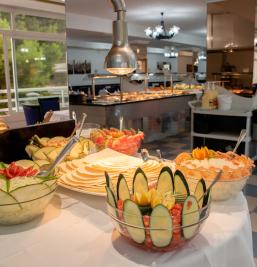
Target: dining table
(75, 230)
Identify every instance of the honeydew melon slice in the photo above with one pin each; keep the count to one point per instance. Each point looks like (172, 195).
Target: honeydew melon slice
(54, 153)
(25, 163)
(200, 189)
(42, 153)
(123, 192)
(24, 181)
(165, 181)
(140, 182)
(161, 219)
(31, 149)
(42, 162)
(190, 217)
(5, 203)
(180, 186)
(44, 141)
(30, 192)
(132, 216)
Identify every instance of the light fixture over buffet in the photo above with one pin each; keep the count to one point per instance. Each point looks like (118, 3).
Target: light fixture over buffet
(170, 52)
(161, 32)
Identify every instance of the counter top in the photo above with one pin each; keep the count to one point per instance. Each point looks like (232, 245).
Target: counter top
(116, 102)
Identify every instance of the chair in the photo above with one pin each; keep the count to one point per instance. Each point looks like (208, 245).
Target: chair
(47, 104)
(32, 114)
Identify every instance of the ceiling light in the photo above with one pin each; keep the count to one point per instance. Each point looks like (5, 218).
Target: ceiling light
(121, 59)
(160, 31)
(229, 47)
(170, 52)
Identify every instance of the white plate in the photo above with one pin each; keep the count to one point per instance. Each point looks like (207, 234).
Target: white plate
(81, 190)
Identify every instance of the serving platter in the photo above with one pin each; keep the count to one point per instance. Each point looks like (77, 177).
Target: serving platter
(87, 175)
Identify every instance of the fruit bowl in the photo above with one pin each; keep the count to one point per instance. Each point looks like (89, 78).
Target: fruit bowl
(161, 216)
(126, 141)
(23, 195)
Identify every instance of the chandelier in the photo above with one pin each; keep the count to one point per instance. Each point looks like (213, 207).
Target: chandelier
(160, 31)
(229, 47)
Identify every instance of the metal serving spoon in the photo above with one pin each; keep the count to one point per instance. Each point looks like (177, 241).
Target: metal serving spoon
(146, 156)
(241, 137)
(64, 152)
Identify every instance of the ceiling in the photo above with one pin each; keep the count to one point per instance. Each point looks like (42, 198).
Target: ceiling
(189, 15)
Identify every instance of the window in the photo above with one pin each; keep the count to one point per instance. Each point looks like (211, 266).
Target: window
(5, 20)
(38, 61)
(39, 24)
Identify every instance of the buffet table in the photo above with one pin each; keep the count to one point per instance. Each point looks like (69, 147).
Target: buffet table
(75, 231)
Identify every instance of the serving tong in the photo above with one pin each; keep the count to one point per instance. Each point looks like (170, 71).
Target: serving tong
(73, 140)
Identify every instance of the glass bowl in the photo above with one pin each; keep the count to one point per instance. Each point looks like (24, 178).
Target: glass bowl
(31, 206)
(230, 183)
(178, 238)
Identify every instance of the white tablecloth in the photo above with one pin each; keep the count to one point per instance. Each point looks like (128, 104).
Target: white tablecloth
(75, 231)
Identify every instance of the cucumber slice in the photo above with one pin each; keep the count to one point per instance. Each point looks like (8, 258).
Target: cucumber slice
(160, 220)
(165, 181)
(25, 163)
(207, 198)
(200, 189)
(122, 188)
(110, 185)
(190, 216)
(110, 197)
(181, 186)
(5, 199)
(132, 216)
(30, 192)
(140, 182)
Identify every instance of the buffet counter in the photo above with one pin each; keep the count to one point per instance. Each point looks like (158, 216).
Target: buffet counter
(158, 114)
(76, 231)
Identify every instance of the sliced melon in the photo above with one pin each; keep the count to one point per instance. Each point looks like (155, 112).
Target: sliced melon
(110, 197)
(181, 188)
(161, 226)
(123, 192)
(30, 192)
(31, 149)
(76, 151)
(165, 181)
(39, 154)
(44, 141)
(200, 189)
(132, 216)
(25, 163)
(140, 182)
(5, 200)
(42, 162)
(190, 217)
(54, 153)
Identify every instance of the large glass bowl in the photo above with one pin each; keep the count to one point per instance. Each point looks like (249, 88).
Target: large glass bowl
(230, 183)
(27, 210)
(178, 239)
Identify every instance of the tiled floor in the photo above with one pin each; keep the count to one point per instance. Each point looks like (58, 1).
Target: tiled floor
(171, 146)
